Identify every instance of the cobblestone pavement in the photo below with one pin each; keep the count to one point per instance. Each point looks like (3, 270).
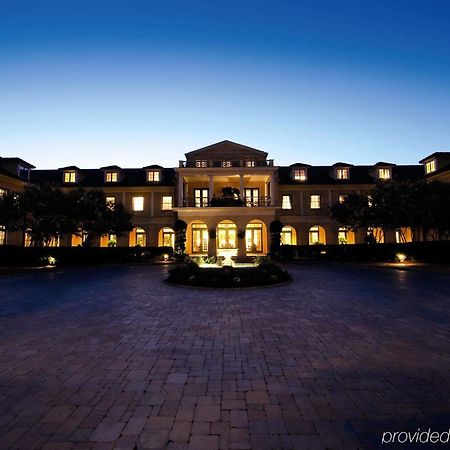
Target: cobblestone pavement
(113, 358)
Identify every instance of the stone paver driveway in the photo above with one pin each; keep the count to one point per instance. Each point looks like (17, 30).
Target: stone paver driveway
(113, 358)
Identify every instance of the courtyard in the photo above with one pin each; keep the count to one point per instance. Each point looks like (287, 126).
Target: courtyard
(113, 358)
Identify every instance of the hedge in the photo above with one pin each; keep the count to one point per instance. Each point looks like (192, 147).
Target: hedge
(428, 252)
(65, 256)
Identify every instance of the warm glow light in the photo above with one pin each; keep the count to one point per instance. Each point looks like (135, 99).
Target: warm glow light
(401, 257)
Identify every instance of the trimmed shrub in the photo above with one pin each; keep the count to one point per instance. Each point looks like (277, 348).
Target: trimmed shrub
(228, 277)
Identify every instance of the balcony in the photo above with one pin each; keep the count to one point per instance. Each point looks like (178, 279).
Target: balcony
(249, 202)
(226, 164)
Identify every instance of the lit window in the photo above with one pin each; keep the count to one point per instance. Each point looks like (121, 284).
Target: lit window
(153, 176)
(201, 163)
(430, 166)
(138, 203)
(70, 176)
(369, 201)
(226, 235)
(110, 202)
(286, 236)
(286, 202)
(300, 174)
(225, 163)
(167, 202)
(2, 235)
(250, 163)
(343, 198)
(199, 238)
(315, 201)
(3, 192)
(111, 177)
(342, 174)
(384, 173)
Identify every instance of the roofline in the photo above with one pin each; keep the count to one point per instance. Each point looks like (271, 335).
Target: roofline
(193, 152)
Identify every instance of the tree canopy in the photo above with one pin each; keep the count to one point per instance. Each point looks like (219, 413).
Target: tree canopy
(46, 213)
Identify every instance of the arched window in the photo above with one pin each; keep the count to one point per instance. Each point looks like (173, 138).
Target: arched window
(288, 236)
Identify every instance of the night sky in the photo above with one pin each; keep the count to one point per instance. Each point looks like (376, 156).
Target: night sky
(133, 83)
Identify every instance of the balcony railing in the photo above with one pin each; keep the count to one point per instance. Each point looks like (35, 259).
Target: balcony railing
(250, 202)
(226, 164)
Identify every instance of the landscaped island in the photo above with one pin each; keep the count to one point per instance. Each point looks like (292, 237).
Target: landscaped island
(228, 277)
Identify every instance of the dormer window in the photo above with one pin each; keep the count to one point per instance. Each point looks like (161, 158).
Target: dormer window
(300, 175)
(430, 166)
(111, 177)
(384, 173)
(201, 163)
(250, 163)
(342, 173)
(153, 176)
(225, 163)
(23, 172)
(70, 176)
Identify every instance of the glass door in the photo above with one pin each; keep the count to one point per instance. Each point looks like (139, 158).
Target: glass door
(251, 196)
(201, 197)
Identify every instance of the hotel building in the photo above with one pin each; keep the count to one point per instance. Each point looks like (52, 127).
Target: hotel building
(299, 196)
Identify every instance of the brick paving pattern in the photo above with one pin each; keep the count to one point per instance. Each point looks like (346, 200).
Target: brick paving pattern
(112, 358)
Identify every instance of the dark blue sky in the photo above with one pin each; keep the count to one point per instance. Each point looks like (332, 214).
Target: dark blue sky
(139, 82)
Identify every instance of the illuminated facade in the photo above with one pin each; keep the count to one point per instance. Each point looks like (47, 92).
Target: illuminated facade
(228, 194)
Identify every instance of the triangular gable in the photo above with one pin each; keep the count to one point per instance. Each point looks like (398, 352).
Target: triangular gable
(226, 149)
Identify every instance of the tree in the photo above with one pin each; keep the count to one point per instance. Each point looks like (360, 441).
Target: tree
(92, 215)
(180, 227)
(275, 229)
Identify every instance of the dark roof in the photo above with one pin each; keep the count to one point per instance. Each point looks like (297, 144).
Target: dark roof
(153, 166)
(444, 168)
(17, 160)
(96, 178)
(384, 164)
(300, 165)
(111, 167)
(358, 175)
(226, 141)
(435, 155)
(341, 164)
(69, 168)
(10, 174)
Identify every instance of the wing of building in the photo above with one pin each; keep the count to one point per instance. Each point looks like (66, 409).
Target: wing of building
(228, 194)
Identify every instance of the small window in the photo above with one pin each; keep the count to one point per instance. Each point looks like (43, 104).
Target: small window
(315, 201)
(153, 176)
(300, 174)
(342, 173)
(343, 198)
(2, 235)
(70, 176)
(430, 166)
(250, 163)
(3, 192)
(384, 173)
(201, 163)
(111, 177)
(138, 203)
(167, 203)
(286, 202)
(225, 163)
(110, 202)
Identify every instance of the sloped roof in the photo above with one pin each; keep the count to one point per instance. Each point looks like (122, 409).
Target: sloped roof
(358, 175)
(435, 155)
(226, 148)
(96, 177)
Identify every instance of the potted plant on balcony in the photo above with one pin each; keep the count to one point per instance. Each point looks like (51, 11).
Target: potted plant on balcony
(229, 196)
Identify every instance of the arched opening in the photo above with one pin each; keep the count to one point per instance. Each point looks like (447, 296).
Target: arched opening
(317, 235)
(226, 239)
(198, 238)
(256, 238)
(288, 236)
(375, 235)
(346, 236)
(137, 237)
(403, 235)
(108, 240)
(77, 240)
(166, 237)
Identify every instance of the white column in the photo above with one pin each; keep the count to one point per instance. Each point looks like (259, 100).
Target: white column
(241, 185)
(211, 187)
(180, 190)
(273, 190)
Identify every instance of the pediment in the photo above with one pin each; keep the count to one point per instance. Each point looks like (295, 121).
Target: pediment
(226, 149)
